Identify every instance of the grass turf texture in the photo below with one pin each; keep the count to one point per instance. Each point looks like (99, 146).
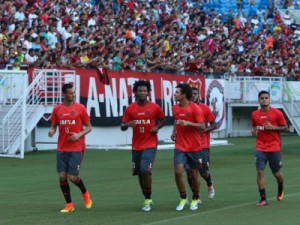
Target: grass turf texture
(30, 194)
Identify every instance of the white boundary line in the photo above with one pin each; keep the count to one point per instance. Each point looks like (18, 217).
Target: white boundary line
(212, 211)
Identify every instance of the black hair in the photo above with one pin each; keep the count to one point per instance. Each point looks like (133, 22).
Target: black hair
(263, 92)
(65, 87)
(138, 83)
(186, 89)
(195, 89)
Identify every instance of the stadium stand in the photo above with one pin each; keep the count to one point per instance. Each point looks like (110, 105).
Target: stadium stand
(213, 37)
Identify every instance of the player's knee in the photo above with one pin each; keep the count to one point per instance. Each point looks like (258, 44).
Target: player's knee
(72, 178)
(63, 177)
(145, 170)
(204, 174)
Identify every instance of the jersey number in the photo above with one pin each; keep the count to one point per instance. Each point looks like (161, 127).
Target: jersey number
(142, 130)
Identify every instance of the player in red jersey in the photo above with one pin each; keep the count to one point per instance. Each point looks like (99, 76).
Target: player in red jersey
(141, 116)
(74, 123)
(267, 123)
(188, 121)
(210, 124)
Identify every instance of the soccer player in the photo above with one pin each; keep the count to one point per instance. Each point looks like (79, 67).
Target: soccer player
(74, 123)
(188, 121)
(267, 123)
(210, 124)
(141, 115)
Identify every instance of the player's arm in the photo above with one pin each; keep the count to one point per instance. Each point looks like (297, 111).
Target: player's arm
(253, 126)
(124, 126)
(212, 126)
(159, 125)
(253, 131)
(52, 130)
(200, 126)
(173, 135)
(87, 129)
(269, 126)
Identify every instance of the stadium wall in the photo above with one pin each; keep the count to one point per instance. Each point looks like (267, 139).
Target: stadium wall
(217, 93)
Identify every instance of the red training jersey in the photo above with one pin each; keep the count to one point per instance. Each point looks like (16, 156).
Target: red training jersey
(208, 118)
(267, 140)
(144, 119)
(70, 119)
(187, 137)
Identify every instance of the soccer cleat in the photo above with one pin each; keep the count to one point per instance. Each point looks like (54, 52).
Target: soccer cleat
(148, 205)
(68, 208)
(262, 203)
(87, 200)
(199, 201)
(280, 195)
(194, 204)
(182, 204)
(211, 191)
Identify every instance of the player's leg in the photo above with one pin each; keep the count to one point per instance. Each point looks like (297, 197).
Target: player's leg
(179, 161)
(62, 159)
(135, 166)
(195, 162)
(261, 160)
(147, 161)
(275, 164)
(73, 175)
(204, 172)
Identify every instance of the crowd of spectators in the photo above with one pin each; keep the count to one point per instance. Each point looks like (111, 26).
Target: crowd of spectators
(148, 35)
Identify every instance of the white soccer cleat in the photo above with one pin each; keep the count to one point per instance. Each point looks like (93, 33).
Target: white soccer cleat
(182, 204)
(148, 205)
(194, 204)
(211, 192)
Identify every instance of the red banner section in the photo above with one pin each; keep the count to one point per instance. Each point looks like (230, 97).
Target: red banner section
(106, 94)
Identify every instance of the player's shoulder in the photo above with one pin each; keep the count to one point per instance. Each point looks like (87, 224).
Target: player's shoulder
(78, 105)
(153, 104)
(275, 111)
(58, 106)
(194, 105)
(204, 106)
(256, 112)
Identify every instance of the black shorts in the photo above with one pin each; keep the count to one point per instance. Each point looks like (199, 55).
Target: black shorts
(274, 159)
(142, 161)
(188, 159)
(68, 162)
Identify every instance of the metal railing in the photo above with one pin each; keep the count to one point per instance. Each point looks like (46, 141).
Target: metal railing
(28, 109)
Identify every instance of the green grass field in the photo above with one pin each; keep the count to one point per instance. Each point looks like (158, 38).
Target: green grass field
(30, 194)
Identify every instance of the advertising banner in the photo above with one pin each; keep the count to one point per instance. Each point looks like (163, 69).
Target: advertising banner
(106, 94)
(215, 99)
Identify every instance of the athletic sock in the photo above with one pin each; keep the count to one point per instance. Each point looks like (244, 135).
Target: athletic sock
(65, 188)
(80, 185)
(183, 194)
(208, 180)
(280, 186)
(262, 193)
(147, 193)
(190, 180)
(195, 195)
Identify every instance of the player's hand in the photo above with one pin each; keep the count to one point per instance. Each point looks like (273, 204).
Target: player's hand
(154, 130)
(74, 137)
(51, 132)
(254, 132)
(130, 124)
(183, 123)
(173, 136)
(268, 126)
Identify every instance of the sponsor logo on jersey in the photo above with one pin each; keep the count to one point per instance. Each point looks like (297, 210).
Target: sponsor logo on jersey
(142, 121)
(67, 122)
